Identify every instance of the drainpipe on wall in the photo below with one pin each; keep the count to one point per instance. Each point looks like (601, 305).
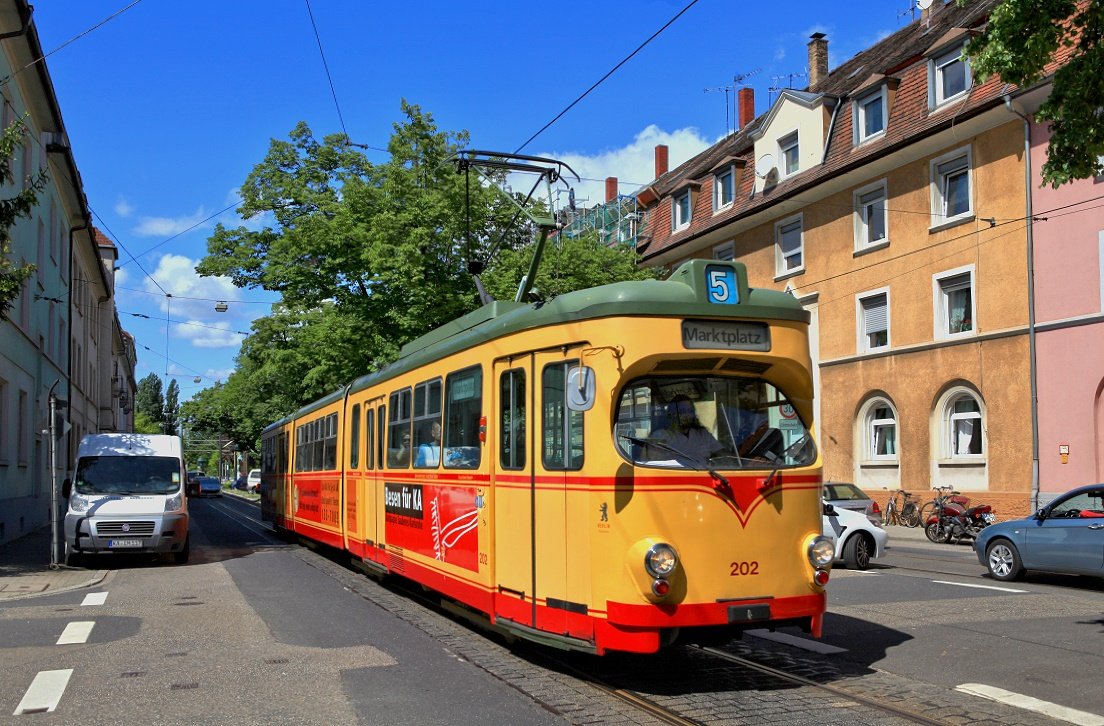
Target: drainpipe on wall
(1030, 305)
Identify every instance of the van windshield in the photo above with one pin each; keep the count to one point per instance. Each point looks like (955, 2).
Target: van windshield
(127, 475)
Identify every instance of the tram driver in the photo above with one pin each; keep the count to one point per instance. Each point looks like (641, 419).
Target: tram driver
(684, 434)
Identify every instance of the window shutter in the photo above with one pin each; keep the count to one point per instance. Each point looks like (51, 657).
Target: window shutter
(875, 314)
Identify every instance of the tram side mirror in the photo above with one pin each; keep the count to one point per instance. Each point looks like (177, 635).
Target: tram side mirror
(66, 487)
(580, 388)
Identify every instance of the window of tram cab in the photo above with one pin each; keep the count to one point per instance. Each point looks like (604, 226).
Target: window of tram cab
(398, 430)
(561, 428)
(427, 424)
(511, 419)
(463, 419)
(698, 421)
(354, 438)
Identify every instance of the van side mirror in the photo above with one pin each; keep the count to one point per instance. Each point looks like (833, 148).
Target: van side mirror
(66, 487)
(829, 510)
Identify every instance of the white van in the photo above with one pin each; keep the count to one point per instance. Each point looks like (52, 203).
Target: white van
(127, 495)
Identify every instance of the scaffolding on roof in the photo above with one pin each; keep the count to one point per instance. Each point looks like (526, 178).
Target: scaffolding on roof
(618, 221)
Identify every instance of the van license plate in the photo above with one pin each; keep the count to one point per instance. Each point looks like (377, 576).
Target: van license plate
(119, 543)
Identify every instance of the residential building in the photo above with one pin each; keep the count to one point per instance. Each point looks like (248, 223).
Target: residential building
(58, 342)
(889, 198)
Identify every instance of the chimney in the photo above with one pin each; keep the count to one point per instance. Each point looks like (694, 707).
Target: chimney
(746, 102)
(818, 59)
(611, 188)
(660, 160)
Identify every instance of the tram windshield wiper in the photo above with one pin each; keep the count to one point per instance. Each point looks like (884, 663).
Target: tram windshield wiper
(700, 464)
(780, 461)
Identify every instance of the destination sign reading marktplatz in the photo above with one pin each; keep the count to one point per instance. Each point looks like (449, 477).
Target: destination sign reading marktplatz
(727, 335)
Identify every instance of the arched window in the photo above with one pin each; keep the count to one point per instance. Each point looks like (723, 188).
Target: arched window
(964, 426)
(878, 420)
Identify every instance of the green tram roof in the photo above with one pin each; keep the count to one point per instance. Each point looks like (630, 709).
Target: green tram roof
(683, 294)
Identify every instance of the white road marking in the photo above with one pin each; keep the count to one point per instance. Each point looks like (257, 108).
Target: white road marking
(813, 646)
(979, 587)
(1072, 715)
(95, 598)
(44, 693)
(76, 632)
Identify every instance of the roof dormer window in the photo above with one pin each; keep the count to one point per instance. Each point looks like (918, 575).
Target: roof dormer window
(949, 75)
(870, 115)
(681, 210)
(789, 154)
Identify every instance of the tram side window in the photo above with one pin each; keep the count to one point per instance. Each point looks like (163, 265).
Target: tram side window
(329, 443)
(427, 424)
(282, 455)
(464, 393)
(381, 431)
(303, 449)
(561, 429)
(354, 438)
(398, 433)
(369, 427)
(511, 419)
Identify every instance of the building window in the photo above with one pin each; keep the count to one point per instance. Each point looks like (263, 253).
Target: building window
(963, 421)
(788, 152)
(874, 321)
(788, 247)
(879, 426)
(724, 188)
(951, 188)
(870, 115)
(726, 251)
(954, 304)
(871, 218)
(950, 75)
(26, 415)
(5, 426)
(680, 211)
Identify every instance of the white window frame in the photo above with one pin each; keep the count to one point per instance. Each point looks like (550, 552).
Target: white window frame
(677, 222)
(780, 256)
(725, 251)
(938, 64)
(859, 110)
(861, 319)
(862, 217)
(942, 169)
(719, 187)
(870, 426)
(943, 285)
(785, 143)
(953, 422)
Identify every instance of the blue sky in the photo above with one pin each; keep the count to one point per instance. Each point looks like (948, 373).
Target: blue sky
(169, 105)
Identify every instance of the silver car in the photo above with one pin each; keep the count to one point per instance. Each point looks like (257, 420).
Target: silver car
(844, 495)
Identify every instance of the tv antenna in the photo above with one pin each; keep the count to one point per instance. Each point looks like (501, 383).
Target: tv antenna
(788, 78)
(915, 5)
(737, 81)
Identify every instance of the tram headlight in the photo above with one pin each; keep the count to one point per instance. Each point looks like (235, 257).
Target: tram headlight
(661, 560)
(821, 551)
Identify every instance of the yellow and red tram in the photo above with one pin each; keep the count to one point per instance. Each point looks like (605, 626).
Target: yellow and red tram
(518, 461)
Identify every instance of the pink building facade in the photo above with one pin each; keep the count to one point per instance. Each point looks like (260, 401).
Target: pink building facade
(1068, 258)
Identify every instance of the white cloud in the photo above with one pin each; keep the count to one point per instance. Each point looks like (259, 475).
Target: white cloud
(123, 208)
(176, 275)
(633, 165)
(207, 335)
(168, 226)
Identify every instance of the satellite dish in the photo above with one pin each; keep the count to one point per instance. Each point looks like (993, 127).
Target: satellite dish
(764, 166)
(923, 4)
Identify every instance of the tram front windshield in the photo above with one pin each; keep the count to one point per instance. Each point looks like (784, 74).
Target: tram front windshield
(709, 422)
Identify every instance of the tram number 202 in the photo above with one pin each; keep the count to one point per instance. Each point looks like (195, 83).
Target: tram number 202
(743, 569)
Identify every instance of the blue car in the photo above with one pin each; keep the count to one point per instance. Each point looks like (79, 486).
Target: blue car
(1065, 536)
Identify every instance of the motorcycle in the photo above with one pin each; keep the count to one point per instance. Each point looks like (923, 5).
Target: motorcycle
(953, 519)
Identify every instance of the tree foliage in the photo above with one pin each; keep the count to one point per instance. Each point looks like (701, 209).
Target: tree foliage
(12, 276)
(172, 407)
(568, 263)
(1020, 40)
(149, 401)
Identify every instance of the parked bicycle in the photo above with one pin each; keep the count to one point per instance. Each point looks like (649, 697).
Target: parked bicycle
(901, 510)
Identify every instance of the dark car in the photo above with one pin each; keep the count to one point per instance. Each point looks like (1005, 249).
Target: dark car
(209, 486)
(1065, 536)
(844, 495)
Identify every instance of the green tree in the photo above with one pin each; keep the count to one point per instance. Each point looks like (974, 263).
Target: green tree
(13, 208)
(568, 263)
(172, 407)
(149, 401)
(1020, 40)
(143, 424)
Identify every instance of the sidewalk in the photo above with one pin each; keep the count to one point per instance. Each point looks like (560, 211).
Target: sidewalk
(25, 569)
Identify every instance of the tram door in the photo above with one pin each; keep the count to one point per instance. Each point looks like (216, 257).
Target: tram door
(535, 460)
